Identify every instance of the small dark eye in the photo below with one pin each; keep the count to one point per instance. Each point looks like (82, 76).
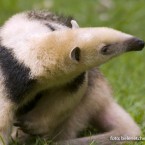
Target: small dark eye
(104, 50)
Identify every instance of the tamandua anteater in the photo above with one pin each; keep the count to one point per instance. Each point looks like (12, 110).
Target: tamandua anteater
(50, 82)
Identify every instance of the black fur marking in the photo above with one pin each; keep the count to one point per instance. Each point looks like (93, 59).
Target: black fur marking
(29, 106)
(50, 27)
(17, 79)
(48, 16)
(74, 85)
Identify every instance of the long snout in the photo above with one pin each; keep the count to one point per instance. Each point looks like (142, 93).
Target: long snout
(134, 44)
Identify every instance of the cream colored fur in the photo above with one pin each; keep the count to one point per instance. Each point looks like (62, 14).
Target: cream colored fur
(60, 114)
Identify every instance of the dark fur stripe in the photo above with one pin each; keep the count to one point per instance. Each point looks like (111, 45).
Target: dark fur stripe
(16, 75)
(29, 106)
(76, 83)
(47, 16)
(50, 27)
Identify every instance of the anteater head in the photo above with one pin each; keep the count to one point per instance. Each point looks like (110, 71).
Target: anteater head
(62, 51)
(84, 48)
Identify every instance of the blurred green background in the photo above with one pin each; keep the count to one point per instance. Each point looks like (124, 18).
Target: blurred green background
(126, 73)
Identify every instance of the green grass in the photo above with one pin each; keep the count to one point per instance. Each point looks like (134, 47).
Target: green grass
(126, 73)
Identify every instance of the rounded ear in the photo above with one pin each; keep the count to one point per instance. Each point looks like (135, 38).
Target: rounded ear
(75, 54)
(74, 24)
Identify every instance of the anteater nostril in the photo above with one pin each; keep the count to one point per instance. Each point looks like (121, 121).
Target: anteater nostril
(135, 44)
(138, 44)
(141, 43)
